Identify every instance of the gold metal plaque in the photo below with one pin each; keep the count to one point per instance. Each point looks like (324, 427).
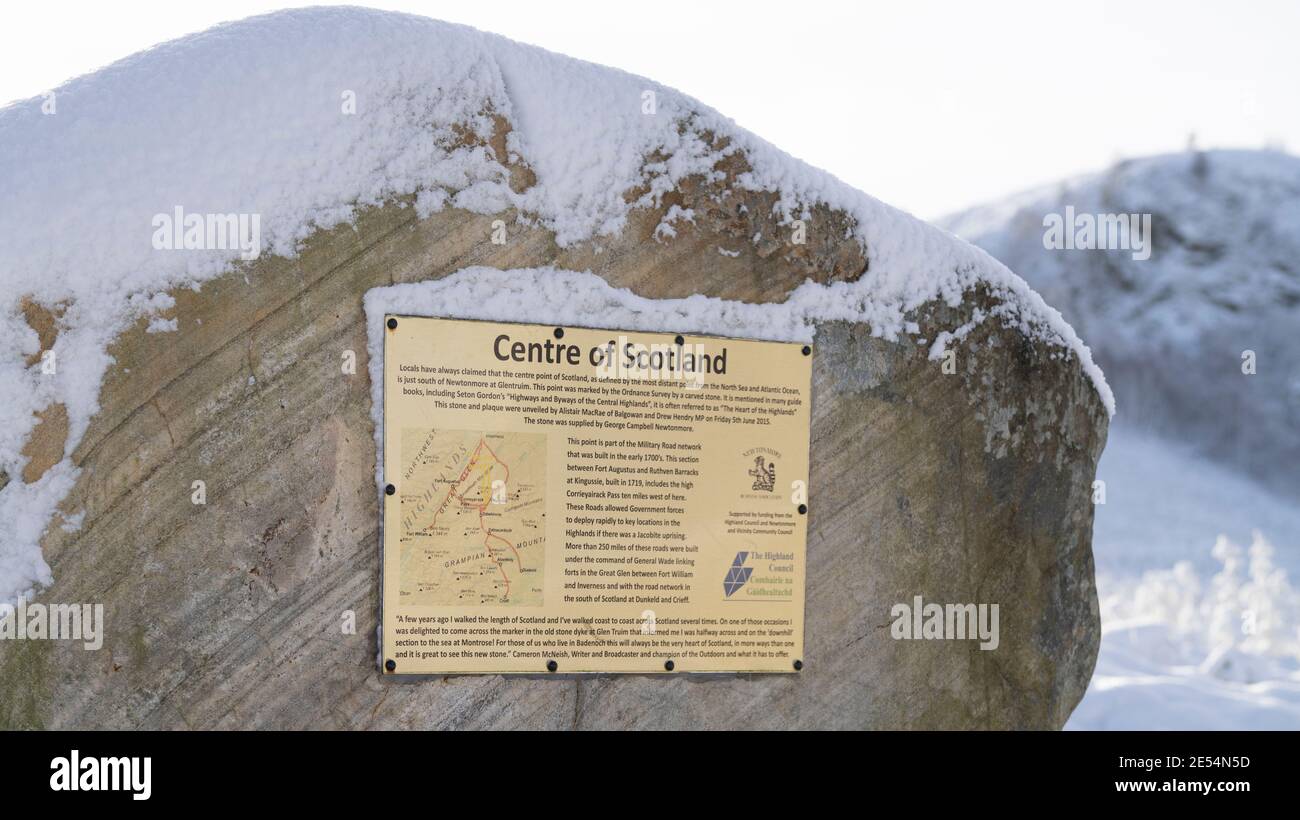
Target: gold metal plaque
(580, 500)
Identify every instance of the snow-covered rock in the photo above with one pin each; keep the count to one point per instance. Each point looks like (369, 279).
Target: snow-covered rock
(361, 150)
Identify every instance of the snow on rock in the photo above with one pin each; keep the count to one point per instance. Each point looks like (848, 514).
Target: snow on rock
(561, 297)
(300, 119)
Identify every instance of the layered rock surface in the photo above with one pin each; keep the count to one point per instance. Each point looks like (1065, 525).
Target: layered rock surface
(965, 487)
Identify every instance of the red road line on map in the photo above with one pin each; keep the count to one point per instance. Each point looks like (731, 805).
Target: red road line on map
(519, 562)
(488, 534)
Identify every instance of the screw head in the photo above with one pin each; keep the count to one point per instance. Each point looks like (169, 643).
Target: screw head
(681, 340)
(389, 490)
(798, 665)
(559, 333)
(807, 351)
(390, 665)
(392, 324)
(551, 666)
(803, 509)
(669, 665)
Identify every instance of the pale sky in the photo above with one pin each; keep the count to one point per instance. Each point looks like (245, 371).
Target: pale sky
(930, 106)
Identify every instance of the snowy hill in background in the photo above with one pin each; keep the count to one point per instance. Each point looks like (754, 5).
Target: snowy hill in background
(1223, 277)
(1198, 543)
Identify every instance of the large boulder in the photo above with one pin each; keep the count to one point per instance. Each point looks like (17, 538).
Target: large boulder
(962, 484)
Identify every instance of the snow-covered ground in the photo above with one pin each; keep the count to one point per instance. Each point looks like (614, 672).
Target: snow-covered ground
(1197, 570)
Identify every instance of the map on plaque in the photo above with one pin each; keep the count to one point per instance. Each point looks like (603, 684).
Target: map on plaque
(580, 500)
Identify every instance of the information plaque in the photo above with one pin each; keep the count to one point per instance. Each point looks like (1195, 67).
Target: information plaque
(579, 500)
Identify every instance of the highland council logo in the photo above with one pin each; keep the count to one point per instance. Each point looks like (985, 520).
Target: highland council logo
(737, 574)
